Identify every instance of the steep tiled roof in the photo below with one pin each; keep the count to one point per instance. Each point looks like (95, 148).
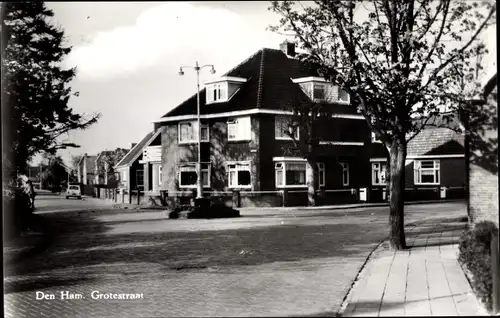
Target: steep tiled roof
(131, 156)
(436, 141)
(268, 73)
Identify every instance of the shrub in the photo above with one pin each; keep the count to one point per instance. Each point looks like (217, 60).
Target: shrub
(17, 211)
(215, 210)
(475, 254)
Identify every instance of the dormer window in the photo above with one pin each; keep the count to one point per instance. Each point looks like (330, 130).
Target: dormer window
(217, 93)
(319, 91)
(223, 89)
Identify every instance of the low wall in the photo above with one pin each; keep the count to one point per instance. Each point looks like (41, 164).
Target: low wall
(421, 193)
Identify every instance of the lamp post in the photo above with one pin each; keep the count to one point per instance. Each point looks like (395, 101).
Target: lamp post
(197, 68)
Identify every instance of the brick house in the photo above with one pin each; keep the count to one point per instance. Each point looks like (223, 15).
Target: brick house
(481, 121)
(244, 147)
(435, 163)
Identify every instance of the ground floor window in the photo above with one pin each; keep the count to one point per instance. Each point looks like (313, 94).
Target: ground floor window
(290, 173)
(379, 173)
(188, 176)
(140, 179)
(239, 175)
(159, 175)
(345, 173)
(426, 172)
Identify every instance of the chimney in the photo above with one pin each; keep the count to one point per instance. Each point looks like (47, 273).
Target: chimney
(132, 145)
(288, 48)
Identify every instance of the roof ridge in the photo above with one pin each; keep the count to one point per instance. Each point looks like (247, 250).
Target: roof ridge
(244, 61)
(260, 83)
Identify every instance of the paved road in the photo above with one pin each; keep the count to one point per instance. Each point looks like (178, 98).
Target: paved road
(48, 202)
(298, 263)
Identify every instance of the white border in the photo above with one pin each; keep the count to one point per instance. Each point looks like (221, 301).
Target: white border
(245, 113)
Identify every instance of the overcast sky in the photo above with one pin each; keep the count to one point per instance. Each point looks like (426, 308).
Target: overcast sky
(128, 56)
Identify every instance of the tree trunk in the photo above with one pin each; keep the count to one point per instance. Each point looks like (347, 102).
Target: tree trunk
(397, 158)
(311, 182)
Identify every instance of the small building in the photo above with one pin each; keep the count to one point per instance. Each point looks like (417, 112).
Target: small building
(435, 163)
(140, 168)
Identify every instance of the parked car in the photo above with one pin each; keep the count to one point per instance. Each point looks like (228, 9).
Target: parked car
(74, 190)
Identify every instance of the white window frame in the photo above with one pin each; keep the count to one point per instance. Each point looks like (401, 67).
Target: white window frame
(279, 120)
(234, 122)
(417, 169)
(238, 164)
(217, 89)
(321, 173)
(374, 138)
(377, 167)
(205, 167)
(323, 86)
(343, 101)
(345, 177)
(283, 165)
(193, 124)
(159, 174)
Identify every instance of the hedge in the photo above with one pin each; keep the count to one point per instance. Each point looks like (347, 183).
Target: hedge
(475, 255)
(17, 212)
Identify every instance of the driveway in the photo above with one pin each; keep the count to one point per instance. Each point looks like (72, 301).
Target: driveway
(294, 263)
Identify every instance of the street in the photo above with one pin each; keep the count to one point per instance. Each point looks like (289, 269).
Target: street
(293, 263)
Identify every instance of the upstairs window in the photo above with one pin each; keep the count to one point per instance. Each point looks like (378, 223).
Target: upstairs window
(217, 93)
(188, 132)
(374, 138)
(281, 126)
(239, 129)
(319, 91)
(343, 96)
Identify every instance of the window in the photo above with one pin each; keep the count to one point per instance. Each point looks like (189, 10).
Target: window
(188, 132)
(124, 175)
(159, 175)
(379, 173)
(343, 96)
(239, 129)
(426, 172)
(217, 93)
(321, 174)
(374, 138)
(239, 175)
(294, 174)
(345, 173)
(188, 176)
(140, 179)
(281, 124)
(319, 91)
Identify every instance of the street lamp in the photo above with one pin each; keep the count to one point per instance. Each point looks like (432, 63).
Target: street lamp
(197, 68)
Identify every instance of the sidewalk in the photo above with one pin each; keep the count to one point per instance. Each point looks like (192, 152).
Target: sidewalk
(425, 280)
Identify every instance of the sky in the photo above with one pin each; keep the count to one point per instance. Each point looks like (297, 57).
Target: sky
(128, 56)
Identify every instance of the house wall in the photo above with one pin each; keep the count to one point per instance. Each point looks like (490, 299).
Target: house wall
(482, 161)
